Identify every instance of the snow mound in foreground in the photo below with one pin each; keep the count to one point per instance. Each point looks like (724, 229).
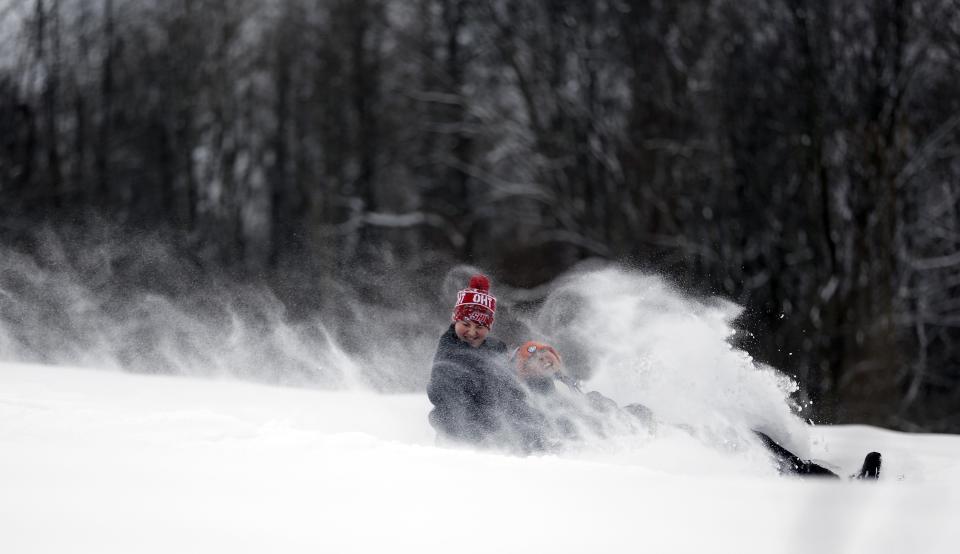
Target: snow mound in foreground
(99, 461)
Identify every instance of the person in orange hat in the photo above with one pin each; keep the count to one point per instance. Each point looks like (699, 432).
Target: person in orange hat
(537, 361)
(540, 368)
(477, 399)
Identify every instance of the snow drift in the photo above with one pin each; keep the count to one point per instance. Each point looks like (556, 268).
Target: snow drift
(99, 461)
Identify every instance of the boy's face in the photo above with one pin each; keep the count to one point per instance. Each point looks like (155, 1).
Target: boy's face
(470, 332)
(542, 364)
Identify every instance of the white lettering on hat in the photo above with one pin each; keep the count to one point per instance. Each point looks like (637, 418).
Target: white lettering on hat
(466, 298)
(484, 300)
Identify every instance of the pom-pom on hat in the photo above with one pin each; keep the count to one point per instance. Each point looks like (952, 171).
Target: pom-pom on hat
(475, 303)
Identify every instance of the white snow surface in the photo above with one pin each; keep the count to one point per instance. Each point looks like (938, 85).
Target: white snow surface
(103, 461)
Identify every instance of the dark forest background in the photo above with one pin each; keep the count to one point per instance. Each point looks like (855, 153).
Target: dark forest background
(799, 157)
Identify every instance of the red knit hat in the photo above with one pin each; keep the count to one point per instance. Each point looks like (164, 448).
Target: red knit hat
(475, 303)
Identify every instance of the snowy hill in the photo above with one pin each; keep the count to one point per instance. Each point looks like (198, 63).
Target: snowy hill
(101, 461)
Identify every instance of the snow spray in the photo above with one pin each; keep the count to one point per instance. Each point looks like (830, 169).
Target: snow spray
(135, 303)
(636, 339)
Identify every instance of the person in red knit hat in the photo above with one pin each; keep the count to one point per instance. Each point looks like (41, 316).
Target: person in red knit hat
(477, 399)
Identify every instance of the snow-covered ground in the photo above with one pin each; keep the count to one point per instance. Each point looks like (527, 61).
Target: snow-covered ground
(104, 461)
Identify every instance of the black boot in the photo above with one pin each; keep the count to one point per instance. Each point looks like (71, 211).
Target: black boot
(788, 463)
(871, 467)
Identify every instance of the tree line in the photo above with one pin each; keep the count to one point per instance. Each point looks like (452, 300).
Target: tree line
(799, 157)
